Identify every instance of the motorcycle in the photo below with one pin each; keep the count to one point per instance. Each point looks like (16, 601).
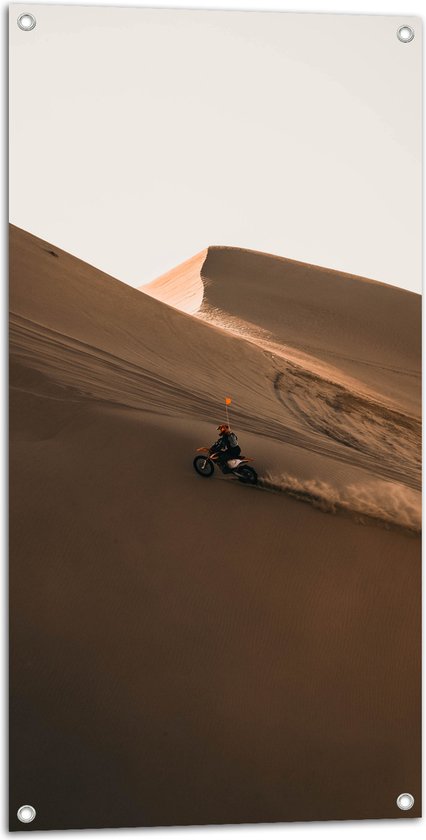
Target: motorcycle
(204, 465)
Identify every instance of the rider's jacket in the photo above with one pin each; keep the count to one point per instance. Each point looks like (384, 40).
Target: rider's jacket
(226, 441)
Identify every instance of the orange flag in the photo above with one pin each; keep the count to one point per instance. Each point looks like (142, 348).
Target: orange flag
(228, 400)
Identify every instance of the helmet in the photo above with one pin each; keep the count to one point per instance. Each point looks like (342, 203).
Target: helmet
(223, 428)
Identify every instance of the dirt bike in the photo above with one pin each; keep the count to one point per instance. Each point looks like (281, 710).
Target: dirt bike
(204, 465)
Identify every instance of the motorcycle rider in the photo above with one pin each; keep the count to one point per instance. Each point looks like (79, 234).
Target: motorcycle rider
(227, 444)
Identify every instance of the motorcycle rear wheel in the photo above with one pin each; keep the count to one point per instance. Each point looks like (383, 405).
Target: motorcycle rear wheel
(247, 475)
(203, 466)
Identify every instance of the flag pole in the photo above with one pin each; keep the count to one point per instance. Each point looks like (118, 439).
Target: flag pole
(227, 403)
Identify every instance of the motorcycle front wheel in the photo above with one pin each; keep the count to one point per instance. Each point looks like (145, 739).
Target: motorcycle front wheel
(247, 475)
(203, 466)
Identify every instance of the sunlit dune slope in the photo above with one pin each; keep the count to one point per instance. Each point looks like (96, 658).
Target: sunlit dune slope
(181, 287)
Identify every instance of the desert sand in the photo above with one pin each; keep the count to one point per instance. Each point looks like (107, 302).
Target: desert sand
(187, 651)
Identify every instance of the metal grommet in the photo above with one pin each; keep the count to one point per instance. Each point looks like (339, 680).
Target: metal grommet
(405, 801)
(26, 22)
(26, 813)
(405, 34)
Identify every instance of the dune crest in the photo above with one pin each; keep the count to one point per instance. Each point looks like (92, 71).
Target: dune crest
(181, 287)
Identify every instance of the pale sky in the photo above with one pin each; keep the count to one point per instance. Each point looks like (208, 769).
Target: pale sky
(140, 136)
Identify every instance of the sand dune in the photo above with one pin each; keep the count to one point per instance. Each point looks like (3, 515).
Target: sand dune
(206, 651)
(108, 342)
(357, 327)
(343, 355)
